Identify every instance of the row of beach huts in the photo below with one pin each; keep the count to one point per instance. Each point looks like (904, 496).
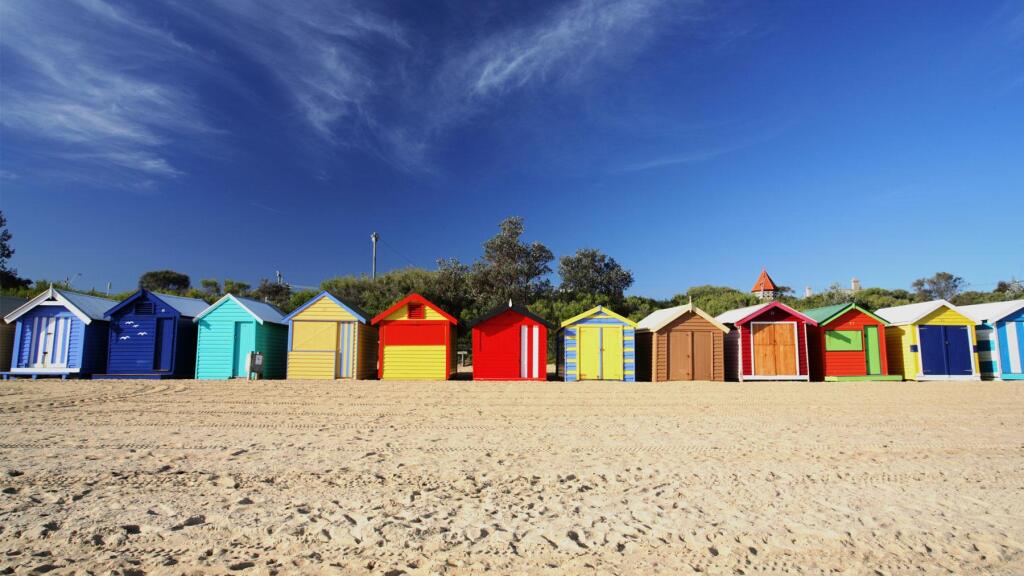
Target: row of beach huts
(149, 335)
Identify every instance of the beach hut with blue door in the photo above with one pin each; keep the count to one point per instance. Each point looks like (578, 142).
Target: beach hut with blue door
(1000, 338)
(597, 345)
(59, 333)
(152, 336)
(231, 329)
(930, 341)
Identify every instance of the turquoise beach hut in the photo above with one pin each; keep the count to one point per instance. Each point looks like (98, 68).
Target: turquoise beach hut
(230, 329)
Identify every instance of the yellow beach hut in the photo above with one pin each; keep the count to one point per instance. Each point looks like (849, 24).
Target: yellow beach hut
(931, 341)
(597, 345)
(330, 339)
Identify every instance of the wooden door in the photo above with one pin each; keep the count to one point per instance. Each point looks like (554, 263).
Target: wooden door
(680, 355)
(163, 345)
(872, 351)
(703, 356)
(774, 349)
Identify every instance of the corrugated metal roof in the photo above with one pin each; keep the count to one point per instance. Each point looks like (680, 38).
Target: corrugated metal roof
(262, 310)
(10, 303)
(910, 313)
(660, 318)
(992, 311)
(92, 306)
(188, 307)
(819, 315)
(731, 316)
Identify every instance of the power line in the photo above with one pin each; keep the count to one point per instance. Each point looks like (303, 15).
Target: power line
(395, 250)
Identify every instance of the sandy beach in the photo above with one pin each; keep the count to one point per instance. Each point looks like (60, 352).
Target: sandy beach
(528, 478)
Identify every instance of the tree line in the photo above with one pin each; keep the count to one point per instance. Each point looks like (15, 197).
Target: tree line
(512, 269)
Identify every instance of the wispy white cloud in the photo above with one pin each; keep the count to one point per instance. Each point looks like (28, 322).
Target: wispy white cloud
(695, 157)
(319, 51)
(77, 80)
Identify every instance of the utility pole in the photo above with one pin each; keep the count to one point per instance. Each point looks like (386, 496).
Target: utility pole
(373, 271)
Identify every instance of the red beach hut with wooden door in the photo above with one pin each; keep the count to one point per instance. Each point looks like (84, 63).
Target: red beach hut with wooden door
(769, 343)
(510, 343)
(417, 340)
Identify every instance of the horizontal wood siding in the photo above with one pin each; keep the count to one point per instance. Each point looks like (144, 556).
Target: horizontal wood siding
(216, 348)
(644, 355)
(415, 362)
(402, 314)
(367, 354)
(846, 362)
(732, 355)
(688, 322)
(324, 309)
(6, 346)
(272, 341)
(901, 360)
(311, 365)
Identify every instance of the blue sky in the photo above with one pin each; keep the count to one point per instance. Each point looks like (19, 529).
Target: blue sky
(694, 142)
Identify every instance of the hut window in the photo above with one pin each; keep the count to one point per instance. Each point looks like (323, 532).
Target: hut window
(416, 311)
(144, 308)
(843, 340)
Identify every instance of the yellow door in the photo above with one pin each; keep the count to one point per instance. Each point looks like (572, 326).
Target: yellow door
(611, 353)
(588, 352)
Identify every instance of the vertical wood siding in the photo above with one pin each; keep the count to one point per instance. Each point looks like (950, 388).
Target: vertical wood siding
(497, 348)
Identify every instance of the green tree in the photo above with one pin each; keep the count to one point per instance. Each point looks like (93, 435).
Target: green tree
(280, 295)
(165, 281)
(9, 279)
(211, 288)
(942, 285)
(510, 268)
(715, 299)
(590, 271)
(240, 289)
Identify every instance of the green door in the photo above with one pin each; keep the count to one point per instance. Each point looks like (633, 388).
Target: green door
(871, 351)
(245, 342)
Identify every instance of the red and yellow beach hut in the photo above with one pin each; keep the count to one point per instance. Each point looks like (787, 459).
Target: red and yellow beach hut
(417, 340)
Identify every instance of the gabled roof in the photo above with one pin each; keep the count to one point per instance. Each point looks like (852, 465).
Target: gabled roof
(911, 313)
(350, 308)
(731, 316)
(826, 314)
(86, 308)
(991, 311)
(187, 307)
(514, 308)
(764, 283)
(261, 311)
(660, 318)
(735, 317)
(595, 310)
(414, 297)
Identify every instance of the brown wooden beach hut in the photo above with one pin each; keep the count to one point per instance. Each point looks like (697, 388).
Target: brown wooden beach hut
(680, 343)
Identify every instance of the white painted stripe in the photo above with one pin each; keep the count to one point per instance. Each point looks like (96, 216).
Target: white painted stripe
(524, 352)
(536, 355)
(1013, 347)
(58, 341)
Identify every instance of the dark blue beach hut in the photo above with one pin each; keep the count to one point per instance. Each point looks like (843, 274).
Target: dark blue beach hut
(59, 333)
(152, 335)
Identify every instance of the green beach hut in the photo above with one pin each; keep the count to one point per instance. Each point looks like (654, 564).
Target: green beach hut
(230, 329)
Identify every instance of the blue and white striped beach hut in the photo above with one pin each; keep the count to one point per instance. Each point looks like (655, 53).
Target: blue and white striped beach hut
(1000, 338)
(59, 333)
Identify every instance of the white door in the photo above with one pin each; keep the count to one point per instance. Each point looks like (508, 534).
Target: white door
(50, 343)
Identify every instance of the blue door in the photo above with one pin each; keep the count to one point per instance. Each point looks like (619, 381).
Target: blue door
(946, 351)
(163, 349)
(933, 351)
(958, 351)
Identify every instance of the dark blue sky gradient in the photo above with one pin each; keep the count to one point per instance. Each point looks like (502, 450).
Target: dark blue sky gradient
(693, 142)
